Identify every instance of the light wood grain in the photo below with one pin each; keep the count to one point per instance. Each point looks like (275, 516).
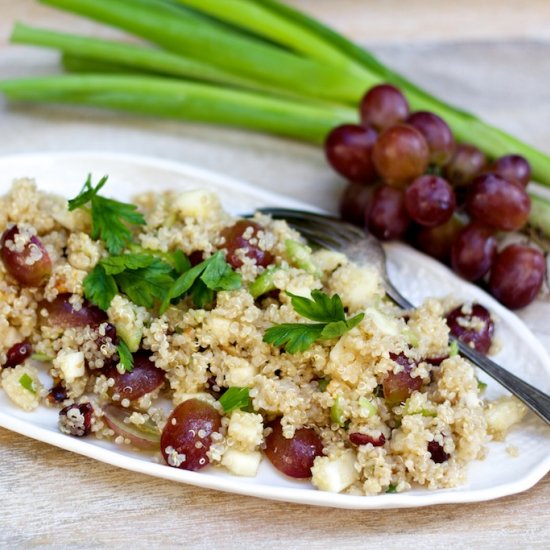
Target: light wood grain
(490, 56)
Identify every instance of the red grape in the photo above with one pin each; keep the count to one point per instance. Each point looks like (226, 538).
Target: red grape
(142, 379)
(387, 218)
(430, 200)
(467, 162)
(473, 326)
(187, 435)
(293, 457)
(513, 168)
(398, 387)
(400, 154)
(517, 275)
(498, 202)
(473, 251)
(437, 134)
(25, 257)
(18, 354)
(235, 241)
(437, 241)
(382, 106)
(62, 314)
(348, 150)
(354, 203)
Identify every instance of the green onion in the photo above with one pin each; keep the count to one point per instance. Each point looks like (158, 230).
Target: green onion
(183, 100)
(109, 52)
(177, 31)
(236, 398)
(453, 348)
(42, 357)
(27, 382)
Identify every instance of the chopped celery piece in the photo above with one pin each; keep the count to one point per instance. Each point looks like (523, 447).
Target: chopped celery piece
(337, 412)
(368, 409)
(299, 256)
(263, 283)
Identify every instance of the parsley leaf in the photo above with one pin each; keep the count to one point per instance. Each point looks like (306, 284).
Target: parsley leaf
(110, 218)
(328, 311)
(126, 359)
(294, 337)
(236, 398)
(321, 307)
(140, 276)
(211, 275)
(144, 284)
(100, 288)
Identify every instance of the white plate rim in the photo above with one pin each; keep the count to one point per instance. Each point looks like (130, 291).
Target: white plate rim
(233, 485)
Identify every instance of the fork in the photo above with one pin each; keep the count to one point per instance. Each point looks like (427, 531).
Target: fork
(365, 249)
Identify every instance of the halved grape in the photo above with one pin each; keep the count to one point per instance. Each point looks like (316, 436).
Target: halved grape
(142, 379)
(25, 257)
(498, 202)
(61, 313)
(517, 275)
(293, 457)
(437, 134)
(17, 354)
(354, 203)
(143, 436)
(387, 216)
(382, 106)
(430, 200)
(243, 235)
(348, 150)
(400, 154)
(467, 162)
(437, 241)
(399, 386)
(473, 251)
(472, 325)
(513, 168)
(187, 436)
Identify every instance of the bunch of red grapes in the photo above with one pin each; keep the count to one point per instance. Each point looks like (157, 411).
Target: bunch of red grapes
(410, 180)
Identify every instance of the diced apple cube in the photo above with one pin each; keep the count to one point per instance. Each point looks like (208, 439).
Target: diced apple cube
(70, 364)
(242, 463)
(334, 474)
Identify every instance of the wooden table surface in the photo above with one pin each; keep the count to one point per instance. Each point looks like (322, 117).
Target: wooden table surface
(490, 56)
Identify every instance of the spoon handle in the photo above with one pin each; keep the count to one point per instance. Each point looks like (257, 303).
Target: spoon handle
(535, 399)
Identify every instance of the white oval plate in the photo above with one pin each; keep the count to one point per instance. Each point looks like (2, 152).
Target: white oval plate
(415, 274)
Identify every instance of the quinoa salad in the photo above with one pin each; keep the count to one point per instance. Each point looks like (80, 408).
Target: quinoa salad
(209, 341)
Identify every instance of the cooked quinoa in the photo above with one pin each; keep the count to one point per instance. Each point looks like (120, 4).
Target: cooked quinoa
(336, 387)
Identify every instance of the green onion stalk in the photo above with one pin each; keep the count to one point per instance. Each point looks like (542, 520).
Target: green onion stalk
(257, 64)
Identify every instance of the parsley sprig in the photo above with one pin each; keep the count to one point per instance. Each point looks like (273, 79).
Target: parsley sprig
(202, 281)
(330, 317)
(142, 277)
(110, 218)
